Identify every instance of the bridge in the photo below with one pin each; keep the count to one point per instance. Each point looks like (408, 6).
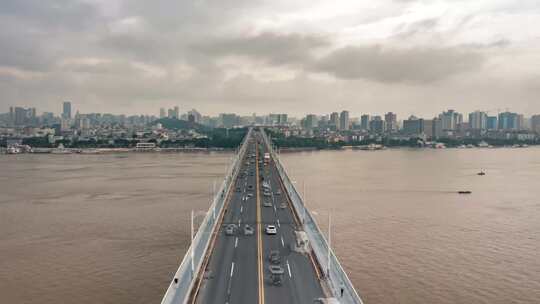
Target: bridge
(258, 243)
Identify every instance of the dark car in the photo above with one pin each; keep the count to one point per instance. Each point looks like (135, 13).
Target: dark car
(274, 257)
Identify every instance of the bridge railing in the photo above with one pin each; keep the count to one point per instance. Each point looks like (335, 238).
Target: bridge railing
(337, 279)
(184, 278)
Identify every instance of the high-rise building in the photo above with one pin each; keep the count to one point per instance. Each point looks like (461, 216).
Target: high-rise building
(176, 112)
(413, 126)
(282, 119)
(535, 123)
(390, 120)
(437, 128)
(194, 116)
(334, 120)
(478, 120)
(311, 121)
(491, 123)
(66, 110)
(344, 124)
(162, 113)
(11, 115)
(364, 122)
(376, 125)
(451, 120)
(509, 121)
(229, 120)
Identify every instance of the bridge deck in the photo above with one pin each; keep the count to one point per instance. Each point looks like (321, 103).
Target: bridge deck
(237, 271)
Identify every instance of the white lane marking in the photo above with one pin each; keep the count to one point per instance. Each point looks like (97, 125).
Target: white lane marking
(236, 242)
(275, 210)
(279, 225)
(241, 209)
(232, 269)
(282, 242)
(288, 268)
(239, 221)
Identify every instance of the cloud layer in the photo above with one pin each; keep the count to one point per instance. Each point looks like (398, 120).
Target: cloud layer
(411, 57)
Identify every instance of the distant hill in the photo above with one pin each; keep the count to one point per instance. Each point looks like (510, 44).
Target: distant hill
(177, 124)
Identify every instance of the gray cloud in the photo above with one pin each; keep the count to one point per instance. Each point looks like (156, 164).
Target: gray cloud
(413, 65)
(287, 56)
(272, 48)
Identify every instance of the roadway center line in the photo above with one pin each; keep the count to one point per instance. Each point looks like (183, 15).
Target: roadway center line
(282, 242)
(279, 225)
(232, 269)
(241, 209)
(236, 242)
(239, 222)
(288, 268)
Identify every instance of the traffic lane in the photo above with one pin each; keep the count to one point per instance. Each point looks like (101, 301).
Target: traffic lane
(244, 284)
(281, 293)
(308, 288)
(219, 286)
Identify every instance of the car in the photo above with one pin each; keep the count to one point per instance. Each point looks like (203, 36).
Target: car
(238, 189)
(283, 206)
(248, 230)
(230, 229)
(266, 193)
(267, 204)
(276, 273)
(278, 192)
(250, 187)
(271, 229)
(274, 257)
(249, 195)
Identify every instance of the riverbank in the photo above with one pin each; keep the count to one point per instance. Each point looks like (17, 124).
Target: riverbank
(115, 150)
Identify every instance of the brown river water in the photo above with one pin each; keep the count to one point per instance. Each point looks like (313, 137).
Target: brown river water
(113, 228)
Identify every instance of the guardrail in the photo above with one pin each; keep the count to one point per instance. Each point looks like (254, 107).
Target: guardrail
(184, 278)
(338, 281)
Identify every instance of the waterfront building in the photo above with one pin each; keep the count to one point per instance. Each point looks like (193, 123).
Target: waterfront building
(535, 123)
(66, 110)
(509, 121)
(478, 121)
(334, 120)
(364, 122)
(344, 121)
(413, 126)
(376, 125)
(491, 123)
(311, 121)
(390, 120)
(451, 120)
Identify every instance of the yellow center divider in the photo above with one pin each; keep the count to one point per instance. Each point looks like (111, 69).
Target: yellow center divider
(259, 229)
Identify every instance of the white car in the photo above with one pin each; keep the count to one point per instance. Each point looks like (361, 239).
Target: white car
(271, 229)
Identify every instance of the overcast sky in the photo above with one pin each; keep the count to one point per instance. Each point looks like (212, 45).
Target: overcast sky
(244, 56)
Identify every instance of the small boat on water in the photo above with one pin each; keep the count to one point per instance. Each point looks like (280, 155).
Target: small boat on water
(481, 173)
(464, 192)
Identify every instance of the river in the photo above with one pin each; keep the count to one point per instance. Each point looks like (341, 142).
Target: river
(113, 228)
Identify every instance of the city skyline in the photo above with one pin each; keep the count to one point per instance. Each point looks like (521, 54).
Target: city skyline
(134, 56)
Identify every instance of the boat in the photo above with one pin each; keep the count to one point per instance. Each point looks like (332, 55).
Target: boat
(464, 192)
(61, 150)
(13, 150)
(481, 173)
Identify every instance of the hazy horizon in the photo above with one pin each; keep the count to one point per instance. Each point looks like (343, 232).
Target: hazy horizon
(405, 56)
